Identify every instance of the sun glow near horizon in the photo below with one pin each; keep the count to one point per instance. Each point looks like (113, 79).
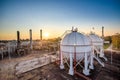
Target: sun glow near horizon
(49, 33)
(46, 35)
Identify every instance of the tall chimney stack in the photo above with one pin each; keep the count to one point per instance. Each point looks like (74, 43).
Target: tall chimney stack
(41, 34)
(103, 32)
(18, 38)
(30, 39)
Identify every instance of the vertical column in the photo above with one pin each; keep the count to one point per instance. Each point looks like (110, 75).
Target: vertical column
(41, 38)
(86, 70)
(9, 50)
(101, 48)
(18, 39)
(102, 32)
(41, 34)
(101, 52)
(91, 59)
(61, 60)
(71, 72)
(30, 39)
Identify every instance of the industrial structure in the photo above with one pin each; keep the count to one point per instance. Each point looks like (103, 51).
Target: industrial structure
(74, 50)
(97, 44)
(31, 39)
(76, 47)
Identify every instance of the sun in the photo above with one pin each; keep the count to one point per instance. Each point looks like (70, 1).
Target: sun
(46, 34)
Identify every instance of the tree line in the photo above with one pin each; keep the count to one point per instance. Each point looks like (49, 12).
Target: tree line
(114, 39)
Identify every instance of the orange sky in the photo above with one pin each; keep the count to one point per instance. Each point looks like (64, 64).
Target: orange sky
(53, 33)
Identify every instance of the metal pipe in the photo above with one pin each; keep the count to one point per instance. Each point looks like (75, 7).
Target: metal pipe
(81, 75)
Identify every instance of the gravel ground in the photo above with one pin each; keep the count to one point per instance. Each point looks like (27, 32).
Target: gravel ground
(52, 71)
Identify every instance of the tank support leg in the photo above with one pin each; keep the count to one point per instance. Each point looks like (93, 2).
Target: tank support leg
(71, 72)
(61, 61)
(86, 70)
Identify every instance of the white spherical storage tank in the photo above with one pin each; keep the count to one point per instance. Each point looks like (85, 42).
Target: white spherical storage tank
(75, 42)
(96, 40)
(75, 46)
(97, 44)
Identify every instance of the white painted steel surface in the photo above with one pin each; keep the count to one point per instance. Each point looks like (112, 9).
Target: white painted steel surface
(79, 44)
(75, 42)
(96, 40)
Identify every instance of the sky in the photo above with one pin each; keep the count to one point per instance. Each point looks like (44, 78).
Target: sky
(57, 16)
